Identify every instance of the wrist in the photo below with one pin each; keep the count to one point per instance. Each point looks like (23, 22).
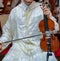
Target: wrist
(52, 18)
(49, 16)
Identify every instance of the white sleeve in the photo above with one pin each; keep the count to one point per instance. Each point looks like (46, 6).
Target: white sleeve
(56, 24)
(7, 33)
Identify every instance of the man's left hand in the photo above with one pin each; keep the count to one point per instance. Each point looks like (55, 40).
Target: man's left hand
(46, 11)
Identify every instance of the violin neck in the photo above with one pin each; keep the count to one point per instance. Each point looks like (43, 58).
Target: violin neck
(46, 23)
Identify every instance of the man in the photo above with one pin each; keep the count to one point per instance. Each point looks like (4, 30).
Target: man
(23, 21)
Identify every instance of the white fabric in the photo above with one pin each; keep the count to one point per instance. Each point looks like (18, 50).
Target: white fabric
(19, 25)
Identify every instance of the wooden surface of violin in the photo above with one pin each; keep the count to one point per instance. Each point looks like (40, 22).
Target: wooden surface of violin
(54, 42)
(50, 25)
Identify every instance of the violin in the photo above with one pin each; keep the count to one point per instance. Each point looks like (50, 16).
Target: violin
(49, 41)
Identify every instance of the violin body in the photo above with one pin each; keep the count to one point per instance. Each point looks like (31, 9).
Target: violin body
(50, 25)
(53, 42)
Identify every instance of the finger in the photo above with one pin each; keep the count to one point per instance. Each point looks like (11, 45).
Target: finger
(44, 7)
(46, 11)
